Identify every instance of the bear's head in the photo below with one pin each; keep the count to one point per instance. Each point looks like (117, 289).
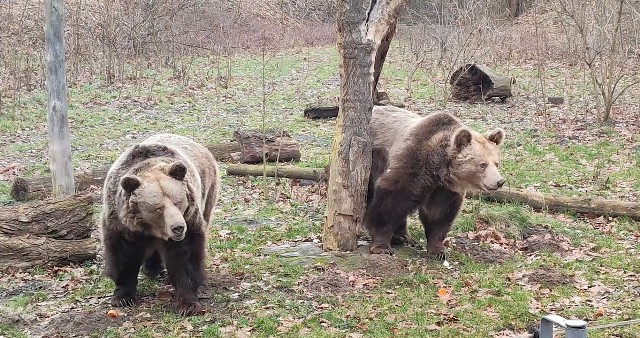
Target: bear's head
(158, 200)
(475, 159)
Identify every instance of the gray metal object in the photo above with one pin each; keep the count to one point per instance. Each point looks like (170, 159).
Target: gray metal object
(573, 328)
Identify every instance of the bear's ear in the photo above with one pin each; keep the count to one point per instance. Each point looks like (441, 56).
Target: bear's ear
(496, 136)
(177, 170)
(129, 183)
(461, 138)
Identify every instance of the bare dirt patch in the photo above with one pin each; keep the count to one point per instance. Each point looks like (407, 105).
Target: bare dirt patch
(480, 253)
(538, 238)
(384, 266)
(548, 277)
(77, 323)
(330, 282)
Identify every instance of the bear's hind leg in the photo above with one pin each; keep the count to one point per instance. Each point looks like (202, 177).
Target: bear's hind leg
(437, 214)
(386, 208)
(401, 235)
(152, 266)
(185, 266)
(123, 259)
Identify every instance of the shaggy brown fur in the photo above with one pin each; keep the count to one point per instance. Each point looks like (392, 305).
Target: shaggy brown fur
(430, 164)
(157, 202)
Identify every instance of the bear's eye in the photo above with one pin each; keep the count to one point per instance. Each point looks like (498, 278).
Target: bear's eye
(483, 165)
(178, 204)
(497, 164)
(160, 209)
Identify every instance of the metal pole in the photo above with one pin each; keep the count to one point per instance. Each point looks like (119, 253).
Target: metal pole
(573, 328)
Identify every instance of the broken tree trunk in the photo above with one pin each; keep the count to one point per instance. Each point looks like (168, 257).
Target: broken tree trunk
(536, 200)
(272, 146)
(545, 201)
(24, 189)
(314, 174)
(55, 231)
(475, 82)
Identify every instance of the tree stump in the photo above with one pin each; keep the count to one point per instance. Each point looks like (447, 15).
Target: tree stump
(273, 145)
(54, 231)
(475, 83)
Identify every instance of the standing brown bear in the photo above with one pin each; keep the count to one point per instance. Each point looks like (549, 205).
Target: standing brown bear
(426, 164)
(157, 203)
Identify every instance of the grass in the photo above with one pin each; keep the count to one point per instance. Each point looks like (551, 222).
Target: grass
(268, 295)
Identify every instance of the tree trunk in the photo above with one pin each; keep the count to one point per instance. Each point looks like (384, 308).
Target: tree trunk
(313, 174)
(361, 28)
(24, 189)
(544, 201)
(56, 83)
(55, 231)
(381, 56)
(273, 145)
(475, 83)
(536, 200)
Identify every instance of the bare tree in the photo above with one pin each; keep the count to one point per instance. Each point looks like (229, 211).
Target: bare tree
(362, 26)
(58, 123)
(600, 27)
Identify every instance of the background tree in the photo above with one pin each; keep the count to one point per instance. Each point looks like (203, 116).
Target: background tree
(56, 83)
(362, 27)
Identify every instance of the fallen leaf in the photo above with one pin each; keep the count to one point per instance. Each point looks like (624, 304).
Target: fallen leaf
(113, 314)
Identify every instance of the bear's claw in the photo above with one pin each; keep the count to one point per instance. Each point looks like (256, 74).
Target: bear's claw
(123, 301)
(187, 308)
(403, 240)
(439, 255)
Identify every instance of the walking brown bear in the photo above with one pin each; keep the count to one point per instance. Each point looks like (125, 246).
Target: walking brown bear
(426, 164)
(157, 202)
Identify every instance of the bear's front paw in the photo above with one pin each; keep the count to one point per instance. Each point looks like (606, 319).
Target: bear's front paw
(187, 308)
(122, 299)
(439, 255)
(377, 249)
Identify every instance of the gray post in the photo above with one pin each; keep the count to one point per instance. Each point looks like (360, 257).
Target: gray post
(57, 120)
(573, 328)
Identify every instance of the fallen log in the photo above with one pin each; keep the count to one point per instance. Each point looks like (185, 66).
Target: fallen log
(273, 145)
(321, 112)
(26, 251)
(536, 200)
(476, 82)
(546, 201)
(54, 231)
(25, 189)
(69, 217)
(313, 174)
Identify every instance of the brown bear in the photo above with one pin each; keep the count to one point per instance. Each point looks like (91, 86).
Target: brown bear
(425, 164)
(157, 202)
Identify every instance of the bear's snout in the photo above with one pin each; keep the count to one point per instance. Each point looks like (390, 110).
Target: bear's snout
(177, 231)
(501, 183)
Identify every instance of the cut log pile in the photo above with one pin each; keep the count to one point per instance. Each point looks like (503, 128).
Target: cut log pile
(49, 232)
(476, 83)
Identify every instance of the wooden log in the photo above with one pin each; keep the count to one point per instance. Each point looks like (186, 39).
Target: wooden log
(275, 145)
(476, 82)
(321, 112)
(63, 218)
(545, 201)
(26, 251)
(54, 231)
(536, 200)
(314, 174)
(24, 189)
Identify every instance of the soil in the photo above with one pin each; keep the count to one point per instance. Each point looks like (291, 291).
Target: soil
(548, 277)
(384, 266)
(77, 323)
(479, 253)
(538, 238)
(330, 282)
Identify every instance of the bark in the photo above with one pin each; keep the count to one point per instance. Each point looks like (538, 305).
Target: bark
(51, 232)
(361, 28)
(57, 120)
(24, 189)
(26, 251)
(272, 146)
(381, 56)
(69, 217)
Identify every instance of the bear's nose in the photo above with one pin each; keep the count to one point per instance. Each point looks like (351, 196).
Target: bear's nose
(501, 183)
(177, 229)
